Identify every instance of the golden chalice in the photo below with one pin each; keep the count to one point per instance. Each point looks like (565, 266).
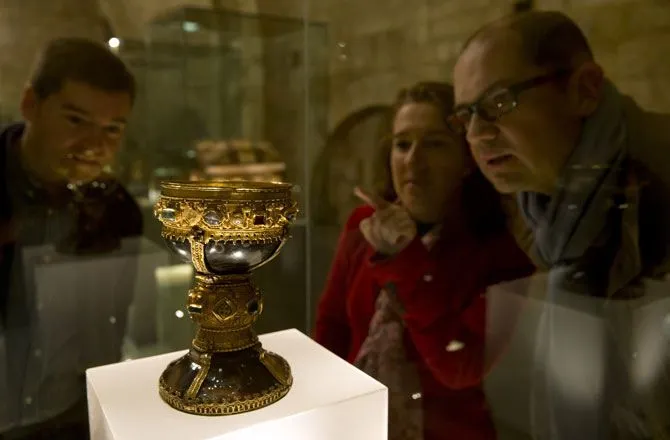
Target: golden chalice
(226, 230)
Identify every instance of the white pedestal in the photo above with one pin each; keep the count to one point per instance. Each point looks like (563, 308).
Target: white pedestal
(329, 400)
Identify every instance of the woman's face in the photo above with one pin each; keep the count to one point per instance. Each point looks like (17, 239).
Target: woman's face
(428, 161)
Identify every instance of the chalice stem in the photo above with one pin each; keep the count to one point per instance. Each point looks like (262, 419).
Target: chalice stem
(225, 308)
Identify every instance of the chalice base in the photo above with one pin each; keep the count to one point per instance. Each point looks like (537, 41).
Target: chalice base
(225, 383)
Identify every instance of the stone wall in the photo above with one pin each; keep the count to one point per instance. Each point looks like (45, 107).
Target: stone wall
(25, 25)
(631, 40)
(380, 46)
(375, 46)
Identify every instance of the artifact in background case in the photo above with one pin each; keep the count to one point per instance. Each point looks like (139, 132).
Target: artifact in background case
(226, 230)
(238, 160)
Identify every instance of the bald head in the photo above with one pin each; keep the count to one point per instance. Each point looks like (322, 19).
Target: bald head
(549, 39)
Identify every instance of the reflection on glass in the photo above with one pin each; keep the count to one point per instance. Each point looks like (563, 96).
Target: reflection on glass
(71, 238)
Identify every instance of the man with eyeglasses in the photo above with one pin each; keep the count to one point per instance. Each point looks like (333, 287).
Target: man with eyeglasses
(591, 173)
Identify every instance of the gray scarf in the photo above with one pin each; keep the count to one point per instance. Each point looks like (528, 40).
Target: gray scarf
(576, 233)
(576, 218)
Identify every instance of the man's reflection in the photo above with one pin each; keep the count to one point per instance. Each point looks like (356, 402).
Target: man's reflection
(56, 190)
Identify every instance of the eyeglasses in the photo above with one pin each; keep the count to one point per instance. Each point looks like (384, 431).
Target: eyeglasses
(497, 102)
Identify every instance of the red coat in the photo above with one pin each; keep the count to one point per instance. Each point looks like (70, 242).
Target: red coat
(434, 288)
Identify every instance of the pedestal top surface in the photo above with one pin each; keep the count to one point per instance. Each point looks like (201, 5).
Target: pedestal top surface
(127, 392)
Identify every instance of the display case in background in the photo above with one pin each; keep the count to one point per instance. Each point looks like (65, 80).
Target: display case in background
(240, 79)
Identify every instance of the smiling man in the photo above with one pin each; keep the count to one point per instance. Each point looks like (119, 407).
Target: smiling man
(591, 171)
(56, 190)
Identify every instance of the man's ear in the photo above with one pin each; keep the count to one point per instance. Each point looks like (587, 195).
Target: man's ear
(585, 88)
(29, 104)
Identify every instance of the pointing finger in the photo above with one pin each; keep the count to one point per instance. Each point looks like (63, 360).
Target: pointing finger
(371, 199)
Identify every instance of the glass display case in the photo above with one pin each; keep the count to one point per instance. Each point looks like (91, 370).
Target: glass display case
(310, 92)
(225, 90)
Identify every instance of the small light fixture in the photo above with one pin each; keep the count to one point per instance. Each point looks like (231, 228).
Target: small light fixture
(114, 43)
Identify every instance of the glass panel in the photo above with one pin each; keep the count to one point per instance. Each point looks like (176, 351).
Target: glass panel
(216, 79)
(564, 353)
(307, 92)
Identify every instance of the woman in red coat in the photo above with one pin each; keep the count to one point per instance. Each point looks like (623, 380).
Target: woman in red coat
(405, 298)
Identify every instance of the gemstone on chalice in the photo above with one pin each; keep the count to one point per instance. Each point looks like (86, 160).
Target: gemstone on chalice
(168, 214)
(212, 218)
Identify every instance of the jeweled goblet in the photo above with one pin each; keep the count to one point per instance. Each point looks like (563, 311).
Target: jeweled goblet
(226, 230)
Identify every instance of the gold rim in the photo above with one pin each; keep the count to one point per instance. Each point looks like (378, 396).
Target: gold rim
(234, 189)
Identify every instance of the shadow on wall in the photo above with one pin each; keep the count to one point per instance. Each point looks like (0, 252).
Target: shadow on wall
(351, 157)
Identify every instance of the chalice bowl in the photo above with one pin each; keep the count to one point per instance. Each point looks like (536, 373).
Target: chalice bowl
(226, 230)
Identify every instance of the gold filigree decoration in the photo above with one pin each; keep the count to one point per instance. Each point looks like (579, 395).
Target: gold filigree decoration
(198, 256)
(205, 361)
(248, 219)
(193, 406)
(277, 366)
(215, 341)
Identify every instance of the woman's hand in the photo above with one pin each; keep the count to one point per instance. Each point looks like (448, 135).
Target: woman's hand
(390, 229)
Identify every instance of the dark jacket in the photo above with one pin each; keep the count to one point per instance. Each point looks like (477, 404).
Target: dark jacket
(80, 223)
(92, 220)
